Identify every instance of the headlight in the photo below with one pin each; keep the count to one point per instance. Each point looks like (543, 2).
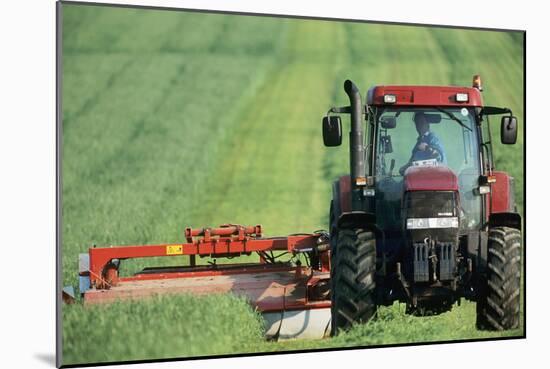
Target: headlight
(424, 223)
(461, 97)
(390, 99)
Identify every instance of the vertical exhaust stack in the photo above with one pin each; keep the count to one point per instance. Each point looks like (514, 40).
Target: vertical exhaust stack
(357, 149)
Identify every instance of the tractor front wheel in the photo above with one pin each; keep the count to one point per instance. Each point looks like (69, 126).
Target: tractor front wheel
(499, 301)
(353, 267)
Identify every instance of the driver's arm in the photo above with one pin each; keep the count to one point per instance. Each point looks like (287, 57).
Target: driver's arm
(436, 149)
(409, 162)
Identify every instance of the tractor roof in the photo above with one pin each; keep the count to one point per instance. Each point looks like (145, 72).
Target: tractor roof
(424, 96)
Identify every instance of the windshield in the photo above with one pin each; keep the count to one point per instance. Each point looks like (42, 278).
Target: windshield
(425, 136)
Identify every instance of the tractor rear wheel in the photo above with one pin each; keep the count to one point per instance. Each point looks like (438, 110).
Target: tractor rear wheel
(333, 232)
(499, 301)
(353, 267)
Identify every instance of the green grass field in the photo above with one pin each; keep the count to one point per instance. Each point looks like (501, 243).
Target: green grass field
(174, 119)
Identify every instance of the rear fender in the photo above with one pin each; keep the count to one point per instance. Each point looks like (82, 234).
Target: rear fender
(356, 219)
(505, 219)
(341, 195)
(502, 193)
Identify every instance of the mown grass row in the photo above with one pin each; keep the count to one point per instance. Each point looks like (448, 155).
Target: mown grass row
(173, 119)
(180, 326)
(187, 326)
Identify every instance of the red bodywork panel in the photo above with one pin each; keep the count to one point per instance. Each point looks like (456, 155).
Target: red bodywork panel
(500, 193)
(437, 178)
(425, 95)
(345, 194)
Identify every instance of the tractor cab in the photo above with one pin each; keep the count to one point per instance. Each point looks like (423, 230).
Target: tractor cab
(451, 141)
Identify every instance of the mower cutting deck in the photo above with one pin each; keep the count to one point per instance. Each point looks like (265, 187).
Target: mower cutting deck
(293, 299)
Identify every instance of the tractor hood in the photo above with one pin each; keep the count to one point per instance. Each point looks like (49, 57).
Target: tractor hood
(430, 178)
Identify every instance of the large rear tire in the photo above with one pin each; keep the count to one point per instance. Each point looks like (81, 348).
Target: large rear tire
(499, 301)
(353, 264)
(333, 244)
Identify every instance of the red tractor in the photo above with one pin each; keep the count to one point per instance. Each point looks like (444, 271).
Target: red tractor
(442, 227)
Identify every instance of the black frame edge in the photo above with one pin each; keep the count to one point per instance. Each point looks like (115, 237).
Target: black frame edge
(58, 183)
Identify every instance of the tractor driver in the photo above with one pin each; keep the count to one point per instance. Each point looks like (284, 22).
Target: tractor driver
(427, 144)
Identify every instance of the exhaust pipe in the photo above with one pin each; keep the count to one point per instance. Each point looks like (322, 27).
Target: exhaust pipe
(356, 150)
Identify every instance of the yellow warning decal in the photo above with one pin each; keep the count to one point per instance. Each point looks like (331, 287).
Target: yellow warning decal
(174, 250)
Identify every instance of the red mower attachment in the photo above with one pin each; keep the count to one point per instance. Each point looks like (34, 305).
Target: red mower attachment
(293, 298)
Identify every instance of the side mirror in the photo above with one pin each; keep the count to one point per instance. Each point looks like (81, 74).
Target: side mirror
(388, 122)
(332, 131)
(508, 130)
